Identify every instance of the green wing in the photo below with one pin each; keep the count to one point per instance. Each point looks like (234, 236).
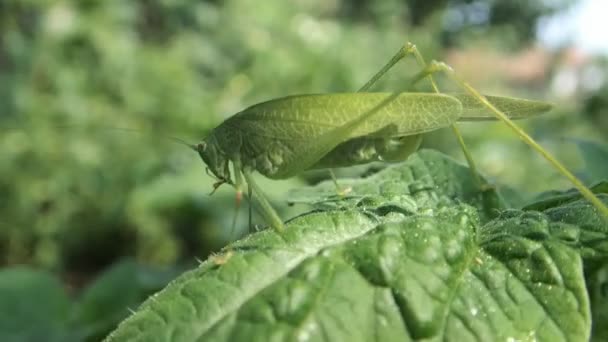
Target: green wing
(283, 137)
(514, 108)
(305, 116)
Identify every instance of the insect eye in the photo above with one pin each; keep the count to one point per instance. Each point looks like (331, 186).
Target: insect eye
(201, 146)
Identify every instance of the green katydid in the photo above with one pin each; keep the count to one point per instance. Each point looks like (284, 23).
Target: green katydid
(283, 137)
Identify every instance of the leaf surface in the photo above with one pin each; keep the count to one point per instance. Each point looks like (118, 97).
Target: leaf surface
(392, 264)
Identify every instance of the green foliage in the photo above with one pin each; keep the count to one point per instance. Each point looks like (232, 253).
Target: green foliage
(595, 156)
(597, 283)
(595, 104)
(34, 305)
(458, 19)
(409, 256)
(499, 16)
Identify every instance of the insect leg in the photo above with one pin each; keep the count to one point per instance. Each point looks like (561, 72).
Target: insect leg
(238, 185)
(250, 202)
(402, 53)
(341, 191)
(435, 66)
(476, 177)
(410, 49)
(270, 215)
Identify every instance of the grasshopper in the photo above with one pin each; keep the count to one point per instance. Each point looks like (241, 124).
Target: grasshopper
(283, 137)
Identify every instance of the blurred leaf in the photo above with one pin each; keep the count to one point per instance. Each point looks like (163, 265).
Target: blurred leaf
(33, 307)
(378, 270)
(554, 198)
(595, 156)
(109, 298)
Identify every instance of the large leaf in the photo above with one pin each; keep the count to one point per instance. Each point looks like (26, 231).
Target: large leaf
(376, 270)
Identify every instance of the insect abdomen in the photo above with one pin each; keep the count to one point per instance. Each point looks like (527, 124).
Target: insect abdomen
(369, 149)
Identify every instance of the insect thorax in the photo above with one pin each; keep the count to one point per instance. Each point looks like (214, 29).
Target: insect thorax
(227, 143)
(255, 152)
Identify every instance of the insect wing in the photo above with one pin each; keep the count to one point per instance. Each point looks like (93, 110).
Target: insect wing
(306, 116)
(514, 108)
(289, 135)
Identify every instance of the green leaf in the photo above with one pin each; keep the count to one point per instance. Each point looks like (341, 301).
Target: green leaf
(33, 306)
(426, 181)
(377, 270)
(550, 199)
(108, 299)
(597, 285)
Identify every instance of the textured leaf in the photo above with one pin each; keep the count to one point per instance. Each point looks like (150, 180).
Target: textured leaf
(426, 181)
(555, 198)
(392, 264)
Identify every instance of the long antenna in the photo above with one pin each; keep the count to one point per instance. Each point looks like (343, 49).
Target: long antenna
(132, 130)
(168, 137)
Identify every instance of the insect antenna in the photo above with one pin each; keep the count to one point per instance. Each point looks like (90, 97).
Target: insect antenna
(135, 130)
(181, 142)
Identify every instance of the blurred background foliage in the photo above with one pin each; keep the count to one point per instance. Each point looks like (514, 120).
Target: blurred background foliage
(77, 196)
